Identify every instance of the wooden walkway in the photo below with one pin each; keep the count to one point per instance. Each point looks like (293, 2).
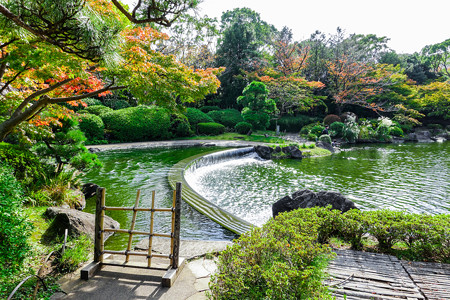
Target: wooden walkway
(364, 275)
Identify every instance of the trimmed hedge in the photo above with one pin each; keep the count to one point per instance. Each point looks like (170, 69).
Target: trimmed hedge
(98, 110)
(92, 127)
(337, 129)
(206, 109)
(226, 117)
(243, 127)
(325, 138)
(330, 119)
(179, 126)
(92, 101)
(210, 128)
(140, 123)
(196, 116)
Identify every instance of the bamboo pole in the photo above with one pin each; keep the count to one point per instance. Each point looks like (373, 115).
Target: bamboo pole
(177, 227)
(99, 218)
(135, 253)
(137, 232)
(138, 209)
(150, 237)
(174, 197)
(133, 222)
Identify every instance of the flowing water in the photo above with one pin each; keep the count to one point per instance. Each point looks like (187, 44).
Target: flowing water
(413, 177)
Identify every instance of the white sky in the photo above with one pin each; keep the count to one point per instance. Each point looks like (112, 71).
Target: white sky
(410, 25)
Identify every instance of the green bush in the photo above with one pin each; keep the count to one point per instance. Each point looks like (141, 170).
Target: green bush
(259, 120)
(140, 123)
(227, 117)
(116, 104)
(243, 127)
(98, 110)
(337, 129)
(330, 119)
(210, 128)
(196, 116)
(179, 126)
(312, 137)
(307, 128)
(325, 138)
(14, 228)
(281, 260)
(291, 123)
(206, 109)
(317, 130)
(92, 101)
(92, 127)
(396, 131)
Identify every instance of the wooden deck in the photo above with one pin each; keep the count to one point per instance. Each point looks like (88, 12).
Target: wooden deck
(363, 275)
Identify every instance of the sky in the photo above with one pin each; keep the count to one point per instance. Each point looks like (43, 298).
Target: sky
(410, 24)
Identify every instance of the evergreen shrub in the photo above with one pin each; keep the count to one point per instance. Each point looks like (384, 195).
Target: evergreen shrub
(210, 128)
(259, 120)
(330, 119)
(196, 116)
(243, 127)
(206, 109)
(92, 127)
(291, 123)
(140, 123)
(98, 110)
(337, 129)
(325, 138)
(227, 117)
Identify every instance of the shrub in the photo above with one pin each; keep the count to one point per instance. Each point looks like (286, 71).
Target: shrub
(330, 119)
(291, 123)
(92, 101)
(92, 127)
(307, 128)
(98, 110)
(206, 109)
(196, 116)
(243, 127)
(116, 104)
(14, 228)
(337, 129)
(385, 227)
(312, 137)
(317, 130)
(325, 138)
(179, 126)
(226, 117)
(140, 123)
(351, 130)
(396, 131)
(259, 120)
(210, 128)
(282, 260)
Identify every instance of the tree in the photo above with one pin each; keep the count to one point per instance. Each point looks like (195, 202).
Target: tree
(439, 57)
(244, 38)
(257, 105)
(65, 51)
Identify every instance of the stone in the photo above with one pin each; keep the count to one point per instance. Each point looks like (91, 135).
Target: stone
(94, 150)
(80, 202)
(306, 199)
(326, 146)
(76, 221)
(89, 189)
(277, 149)
(264, 152)
(292, 152)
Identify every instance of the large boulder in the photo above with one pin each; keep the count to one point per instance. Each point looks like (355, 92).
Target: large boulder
(264, 152)
(306, 199)
(292, 152)
(89, 190)
(76, 221)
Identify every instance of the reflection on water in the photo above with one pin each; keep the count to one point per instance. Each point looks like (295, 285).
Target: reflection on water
(413, 177)
(126, 171)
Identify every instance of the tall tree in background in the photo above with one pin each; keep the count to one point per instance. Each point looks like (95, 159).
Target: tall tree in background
(240, 49)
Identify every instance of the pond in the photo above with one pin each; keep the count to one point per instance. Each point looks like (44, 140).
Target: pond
(413, 177)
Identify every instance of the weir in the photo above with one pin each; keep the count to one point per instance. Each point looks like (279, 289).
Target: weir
(200, 203)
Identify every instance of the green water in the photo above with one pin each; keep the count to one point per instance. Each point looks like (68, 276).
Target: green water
(126, 171)
(413, 177)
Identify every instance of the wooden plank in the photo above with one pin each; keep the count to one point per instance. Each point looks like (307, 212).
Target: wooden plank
(171, 275)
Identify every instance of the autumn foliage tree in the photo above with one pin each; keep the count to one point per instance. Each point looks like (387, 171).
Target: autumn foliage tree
(68, 50)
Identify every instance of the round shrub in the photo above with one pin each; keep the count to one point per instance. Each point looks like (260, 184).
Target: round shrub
(206, 109)
(210, 128)
(226, 117)
(116, 104)
(140, 123)
(259, 120)
(196, 116)
(325, 138)
(312, 137)
(291, 123)
(179, 126)
(337, 129)
(92, 101)
(92, 126)
(317, 130)
(98, 110)
(330, 119)
(243, 127)
(14, 228)
(396, 131)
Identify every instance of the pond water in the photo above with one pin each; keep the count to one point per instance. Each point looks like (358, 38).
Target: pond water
(126, 171)
(413, 177)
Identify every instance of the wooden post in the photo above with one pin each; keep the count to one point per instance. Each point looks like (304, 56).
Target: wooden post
(176, 232)
(133, 222)
(150, 237)
(99, 216)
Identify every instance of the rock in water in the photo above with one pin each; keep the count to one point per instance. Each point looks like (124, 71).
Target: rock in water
(264, 152)
(306, 199)
(89, 190)
(76, 221)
